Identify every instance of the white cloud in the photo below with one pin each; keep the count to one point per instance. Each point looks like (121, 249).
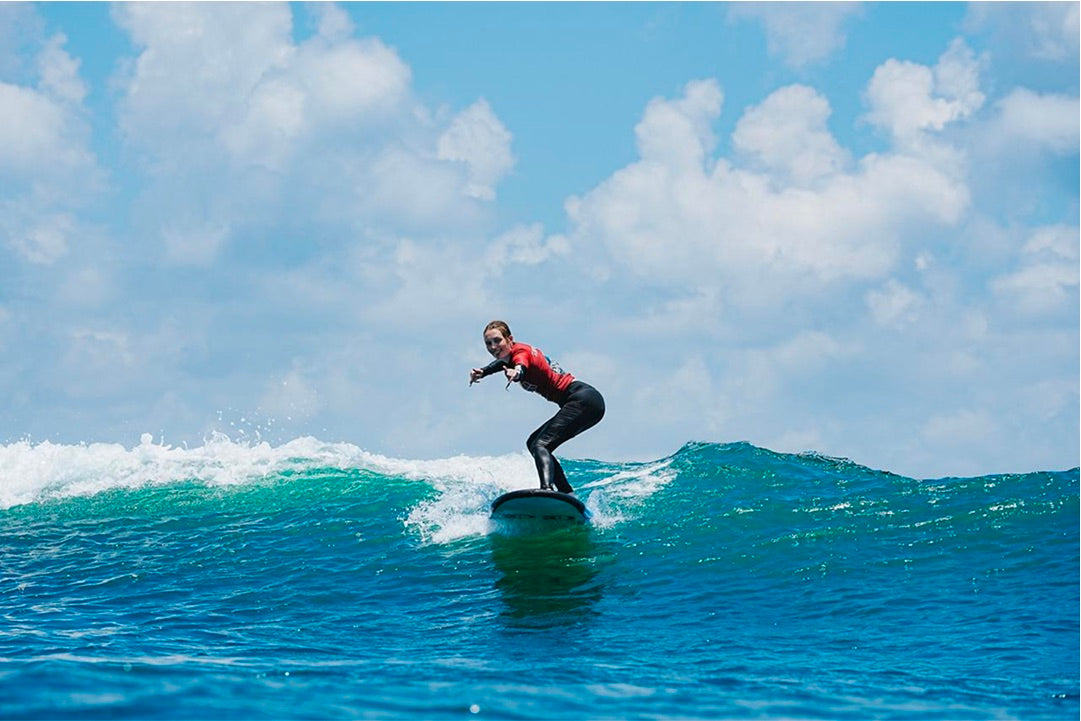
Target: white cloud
(691, 382)
(677, 216)
(1056, 30)
(815, 280)
(408, 191)
(1030, 120)
(46, 167)
(45, 240)
(797, 440)
(34, 126)
(197, 67)
(325, 134)
(907, 99)
(787, 134)
(524, 245)
(695, 313)
(29, 127)
(291, 397)
(965, 428)
(60, 72)
(193, 243)
(895, 304)
(1047, 31)
(477, 138)
(1050, 398)
(803, 352)
(803, 32)
(334, 23)
(267, 135)
(85, 288)
(677, 133)
(216, 75)
(432, 284)
(351, 81)
(320, 89)
(765, 393)
(96, 363)
(1057, 241)
(1047, 278)
(1039, 286)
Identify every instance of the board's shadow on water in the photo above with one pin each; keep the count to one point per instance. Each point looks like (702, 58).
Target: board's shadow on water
(547, 579)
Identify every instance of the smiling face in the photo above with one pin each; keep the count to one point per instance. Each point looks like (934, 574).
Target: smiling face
(497, 343)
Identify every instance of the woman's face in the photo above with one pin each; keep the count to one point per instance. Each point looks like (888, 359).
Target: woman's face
(497, 343)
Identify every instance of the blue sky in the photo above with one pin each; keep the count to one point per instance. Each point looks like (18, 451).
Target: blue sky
(849, 228)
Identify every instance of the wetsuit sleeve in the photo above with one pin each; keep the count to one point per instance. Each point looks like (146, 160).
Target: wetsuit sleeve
(495, 366)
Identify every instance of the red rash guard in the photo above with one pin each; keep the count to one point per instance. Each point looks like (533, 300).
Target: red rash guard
(540, 374)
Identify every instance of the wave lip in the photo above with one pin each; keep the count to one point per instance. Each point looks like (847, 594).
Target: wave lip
(31, 473)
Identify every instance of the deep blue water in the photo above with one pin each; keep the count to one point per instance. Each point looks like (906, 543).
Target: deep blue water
(314, 580)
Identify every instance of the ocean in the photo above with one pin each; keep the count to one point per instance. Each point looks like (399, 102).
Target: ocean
(315, 580)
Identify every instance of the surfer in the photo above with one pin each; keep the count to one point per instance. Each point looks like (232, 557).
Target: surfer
(581, 406)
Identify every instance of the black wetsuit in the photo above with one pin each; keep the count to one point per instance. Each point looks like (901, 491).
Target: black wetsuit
(581, 407)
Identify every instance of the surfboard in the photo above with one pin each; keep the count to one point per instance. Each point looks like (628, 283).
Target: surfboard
(536, 506)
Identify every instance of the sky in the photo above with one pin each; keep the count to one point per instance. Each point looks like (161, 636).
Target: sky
(843, 228)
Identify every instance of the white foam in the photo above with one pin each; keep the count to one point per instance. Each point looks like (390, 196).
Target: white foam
(35, 472)
(465, 485)
(31, 473)
(615, 497)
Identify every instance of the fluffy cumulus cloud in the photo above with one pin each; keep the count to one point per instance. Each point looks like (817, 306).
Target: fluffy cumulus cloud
(1046, 278)
(477, 138)
(1044, 31)
(45, 120)
(895, 304)
(296, 187)
(802, 267)
(196, 71)
(221, 96)
(801, 33)
(787, 135)
(1027, 121)
(678, 133)
(522, 245)
(798, 207)
(907, 99)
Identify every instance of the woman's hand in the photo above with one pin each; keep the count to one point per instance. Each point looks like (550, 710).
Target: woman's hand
(475, 375)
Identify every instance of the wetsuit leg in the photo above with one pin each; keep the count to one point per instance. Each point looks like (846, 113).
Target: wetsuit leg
(582, 409)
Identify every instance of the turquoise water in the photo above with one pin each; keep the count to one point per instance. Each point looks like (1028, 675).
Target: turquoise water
(315, 580)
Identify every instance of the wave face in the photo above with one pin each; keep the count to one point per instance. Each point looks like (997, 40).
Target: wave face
(316, 580)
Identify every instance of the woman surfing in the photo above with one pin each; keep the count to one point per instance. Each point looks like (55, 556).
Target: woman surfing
(581, 406)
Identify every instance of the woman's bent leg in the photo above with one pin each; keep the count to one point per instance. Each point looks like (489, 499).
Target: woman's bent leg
(582, 410)
(548, 468)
